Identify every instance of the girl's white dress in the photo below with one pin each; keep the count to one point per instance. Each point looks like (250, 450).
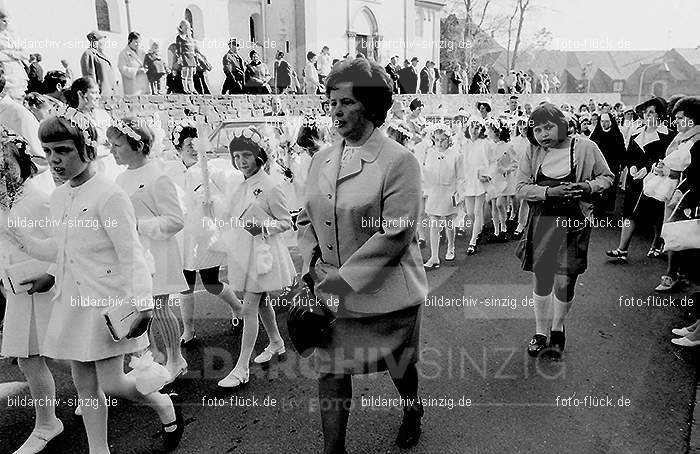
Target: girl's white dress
(475, 164)
(159, 218)
(441, 173)
(26, 316)
(499, 183)
(100, 262)
(200, 232)
(261, 263)
(506, 166)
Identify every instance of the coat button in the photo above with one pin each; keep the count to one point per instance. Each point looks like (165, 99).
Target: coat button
(77, 282)
(330, 247)
(330, 196)
(328, 223)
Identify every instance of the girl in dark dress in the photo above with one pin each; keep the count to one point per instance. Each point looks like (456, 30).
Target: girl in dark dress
(556, 177)
(187, 56)
(645, 149)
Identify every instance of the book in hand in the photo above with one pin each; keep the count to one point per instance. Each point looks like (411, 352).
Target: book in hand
(253, 215)
(120, 318)
(27, 270)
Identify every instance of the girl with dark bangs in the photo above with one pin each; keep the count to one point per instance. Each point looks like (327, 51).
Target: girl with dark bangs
(100, 263)
(556, 176)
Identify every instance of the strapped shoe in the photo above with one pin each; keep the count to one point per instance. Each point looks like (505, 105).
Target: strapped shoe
(39, 439)
(537, 344)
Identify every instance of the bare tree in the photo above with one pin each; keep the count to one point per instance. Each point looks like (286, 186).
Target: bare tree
(521, 9)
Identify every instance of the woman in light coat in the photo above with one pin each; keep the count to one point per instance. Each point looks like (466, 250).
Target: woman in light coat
(131, 67)
(371, 275)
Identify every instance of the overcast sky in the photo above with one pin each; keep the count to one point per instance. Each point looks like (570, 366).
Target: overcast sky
(614, 24)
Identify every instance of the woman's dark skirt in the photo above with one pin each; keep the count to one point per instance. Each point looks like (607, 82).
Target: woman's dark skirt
(386, 342)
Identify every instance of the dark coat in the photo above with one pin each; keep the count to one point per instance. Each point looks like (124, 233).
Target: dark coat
(282, 74)
(425, 81)
(96, 65)
(408, 80)
(234, 68)
(36, 77)
(650, 155)
(393, 72)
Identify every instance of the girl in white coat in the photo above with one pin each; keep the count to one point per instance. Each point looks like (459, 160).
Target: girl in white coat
(100, 263)
(27, 311)
(158, 219)
(475, 178)
(441, 172)
(200, 234)
(259, 261)
(500, 160)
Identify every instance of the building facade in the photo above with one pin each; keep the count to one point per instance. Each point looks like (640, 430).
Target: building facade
(377, 28)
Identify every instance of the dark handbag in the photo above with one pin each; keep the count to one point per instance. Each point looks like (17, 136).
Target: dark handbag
(310, 321)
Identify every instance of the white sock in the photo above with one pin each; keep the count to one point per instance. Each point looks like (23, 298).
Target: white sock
(542, 317)
(561, 308)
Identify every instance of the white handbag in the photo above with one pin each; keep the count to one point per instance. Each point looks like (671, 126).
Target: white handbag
(681, 235)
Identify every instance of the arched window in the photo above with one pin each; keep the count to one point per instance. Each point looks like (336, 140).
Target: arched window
(194, 15)
(103, 22)
(107, 12)
(255, 27)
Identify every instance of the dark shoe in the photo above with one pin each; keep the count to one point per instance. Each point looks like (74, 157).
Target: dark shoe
(537, 344)
(503, 237)
(172, 439)
(192, 342)
(236, 326)
(617, 254)
(471, 250)
(410, 430)
(557, 340)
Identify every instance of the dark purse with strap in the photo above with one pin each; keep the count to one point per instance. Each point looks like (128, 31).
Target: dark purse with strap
(310, 321)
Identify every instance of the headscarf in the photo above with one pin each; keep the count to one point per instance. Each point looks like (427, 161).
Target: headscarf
(611, 142)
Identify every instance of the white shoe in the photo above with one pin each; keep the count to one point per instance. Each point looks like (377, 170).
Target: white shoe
(685, 342)
(681, 331)
(78, 411)
(233, 380)
(269, 353)
(38, 440)
(432, 264)
(450, 255)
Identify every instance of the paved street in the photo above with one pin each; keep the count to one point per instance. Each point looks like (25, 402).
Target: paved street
(486, 394)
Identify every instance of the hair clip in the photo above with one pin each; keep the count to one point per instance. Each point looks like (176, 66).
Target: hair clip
(252, 134)
(178, 129)
(78, 119)
(126, 130)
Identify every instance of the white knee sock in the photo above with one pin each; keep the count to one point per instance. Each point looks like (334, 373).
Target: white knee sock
(542, 313)
(561, 308)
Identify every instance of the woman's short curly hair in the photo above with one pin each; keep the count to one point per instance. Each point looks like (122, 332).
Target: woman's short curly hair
(371, 86)
(690, 106)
